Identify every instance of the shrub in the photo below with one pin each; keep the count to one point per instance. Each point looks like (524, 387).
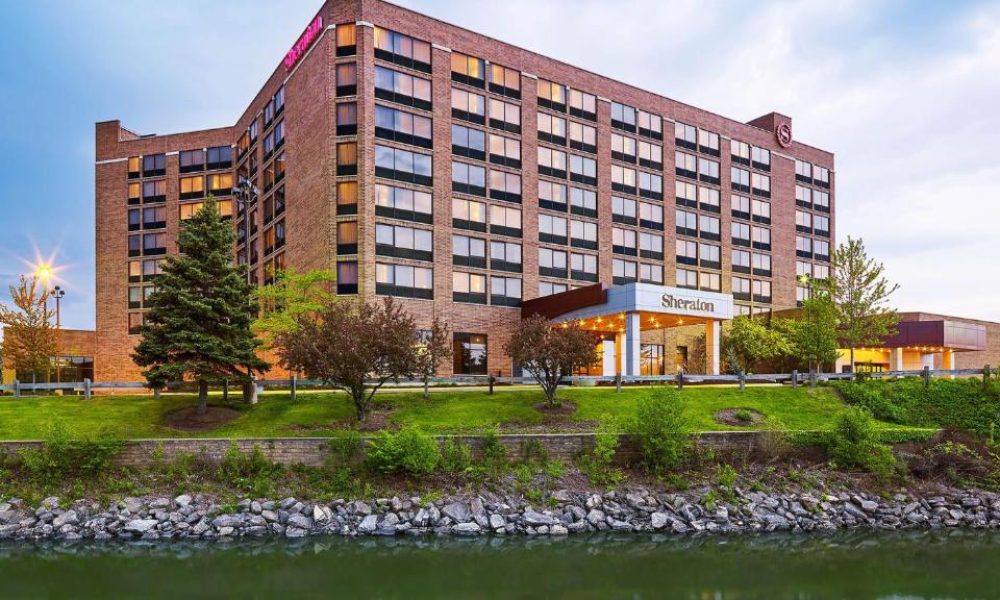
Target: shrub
(344, 448)
(494, 453)
(598, 464)
(660, 429)
(744, 416)
(407, 451)
(456, 457)
(773, 443)
(854, 443)
(251, 472)
(60, 457)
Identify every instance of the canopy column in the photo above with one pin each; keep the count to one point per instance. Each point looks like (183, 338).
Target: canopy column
(713, 331)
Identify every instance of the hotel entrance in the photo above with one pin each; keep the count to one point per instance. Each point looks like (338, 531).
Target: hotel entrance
(619, 314)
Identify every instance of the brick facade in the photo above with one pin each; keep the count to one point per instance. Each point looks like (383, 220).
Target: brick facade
(309, 151)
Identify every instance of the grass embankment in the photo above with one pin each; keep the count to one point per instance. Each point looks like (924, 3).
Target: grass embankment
(447, 411)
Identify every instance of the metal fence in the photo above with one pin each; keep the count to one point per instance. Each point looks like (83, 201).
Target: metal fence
(795, 378)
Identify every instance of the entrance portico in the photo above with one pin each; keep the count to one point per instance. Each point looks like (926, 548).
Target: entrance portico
(622, 312)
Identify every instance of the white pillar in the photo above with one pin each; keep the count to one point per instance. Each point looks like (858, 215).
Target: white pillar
(948, 359)
(896, 359)
(632, 344)
(609, 358)
(713, 330)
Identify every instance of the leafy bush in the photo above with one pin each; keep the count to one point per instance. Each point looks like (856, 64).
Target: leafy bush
(251, 472)
(494, 453)
(966, 404)
(598, 464)
(773, 443)
(456, 457)
(854, 443)
(660, 429)
(60, 456)
(407, 451)
(744, 416)
(344, 449)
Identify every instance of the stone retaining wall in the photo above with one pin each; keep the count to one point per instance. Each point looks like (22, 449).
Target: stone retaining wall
(314, 451)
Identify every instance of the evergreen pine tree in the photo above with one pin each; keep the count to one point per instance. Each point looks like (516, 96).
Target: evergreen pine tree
(199, 324)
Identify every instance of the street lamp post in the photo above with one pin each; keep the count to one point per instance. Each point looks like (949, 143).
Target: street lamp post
(58, 293)
(245, 195)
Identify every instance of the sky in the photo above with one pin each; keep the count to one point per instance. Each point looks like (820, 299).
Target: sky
(906, 94)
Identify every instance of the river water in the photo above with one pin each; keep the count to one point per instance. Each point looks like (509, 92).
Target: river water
(956, 564)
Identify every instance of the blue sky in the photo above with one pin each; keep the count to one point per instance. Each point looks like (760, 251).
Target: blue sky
(905, 93)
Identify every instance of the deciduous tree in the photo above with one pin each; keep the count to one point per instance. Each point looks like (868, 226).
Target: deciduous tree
(813, 334)
(550, 352)
(432, 348)
(29, 339)
(292, 295)
(199, 323)
(861, 294)
(750, 340)
(356, 347)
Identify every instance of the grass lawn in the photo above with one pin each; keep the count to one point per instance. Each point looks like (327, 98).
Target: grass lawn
(448, 411)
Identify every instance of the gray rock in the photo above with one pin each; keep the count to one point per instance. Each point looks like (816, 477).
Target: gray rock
(299, 520)
(140, 525)
(497, 521)
(321, 514)
(558, 530)
(536, 518)
(457, 511)
(595, 516)
(230, 521)
(67, 518)
(183, 500)
(467, 528)
(390, 520)
(659, 520)
(368, 524)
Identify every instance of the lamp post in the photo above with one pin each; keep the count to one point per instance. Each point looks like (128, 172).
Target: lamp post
(245, 195)
(58, 293)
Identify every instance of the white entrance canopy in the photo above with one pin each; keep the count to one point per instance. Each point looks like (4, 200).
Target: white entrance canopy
(626, 310)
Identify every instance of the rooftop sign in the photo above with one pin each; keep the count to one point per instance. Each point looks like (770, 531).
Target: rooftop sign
(304, 43)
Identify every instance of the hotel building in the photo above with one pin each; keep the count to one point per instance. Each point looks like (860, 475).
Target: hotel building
(476, 180)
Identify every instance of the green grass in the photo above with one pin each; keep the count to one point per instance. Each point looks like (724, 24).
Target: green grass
(447, 411)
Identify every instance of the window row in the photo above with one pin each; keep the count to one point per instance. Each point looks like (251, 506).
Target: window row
(471, 288)
(627, 271)
(472, 107)
(219, 157)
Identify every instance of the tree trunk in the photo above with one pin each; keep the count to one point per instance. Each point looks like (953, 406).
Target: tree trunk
(359, 405)
(202, 397)
(427, 392)
(853, 373)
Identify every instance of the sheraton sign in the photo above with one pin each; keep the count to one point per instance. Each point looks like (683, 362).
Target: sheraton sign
(304, 43)
(669, 301)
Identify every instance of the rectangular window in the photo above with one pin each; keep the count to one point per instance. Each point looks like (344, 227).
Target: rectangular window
(687, 278)
(347, 198)
(154, 243)
(402, 50)
(552, 95)
(347, 119)
(468, 179)
(709, 281)
(761, 158)
(347, 79)
(154, 217)
(468, 142)
(708, 142)
(505, 221)
(686, 136)
(624, 210)
(347, 277)
(469, 354)
(347, 44)
(505, 186)
(552, 230)
(505, 291)
(650, 155)
(650, 185)
(741, 207)
(803, 221)
(650, 125)
(134, 169)
(403, 165)
(741, 261)
(761, 237)
(708, 170)
(404, 281)
(686, 165)
(468, 214)
(686, 194)
(191, 161)
(347, 237)
(154, 165)
(220, 184)
(708, 227)
(552, 263)
(505, 151)
(403, 242)
(583, 202)
(582, 169)
(547, 288)
(760, 211)
(504, 81)
(686, 252)
(623, 148)
(760, 185)
(739, 179)
(552, 163)
(710, 256)
(468, 69)
(505, 256)
(505, 116)
(708, 199)
(192, 187)
(623, 271)
(762, 264)
(651, 245)
(623, 117)
(741, 234)
(552, 129)
(739, 152)
(623, 241)
(552, 196)
(154, 191)
(741, 288)
(347, 160)
(583, 105)
(402, 203)
(468, 106)
(761, 290)
(583, 234)
(582, 137)
(687, 223)
(468, 287)
(803, 171)
(403, 127)
(651, 273)
(402, 88)
(583, 267)
(623, 179)
(821, 176)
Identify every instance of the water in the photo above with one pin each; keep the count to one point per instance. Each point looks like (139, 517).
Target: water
(844, 565)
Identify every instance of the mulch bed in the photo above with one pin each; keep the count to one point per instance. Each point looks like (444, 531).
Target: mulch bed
(188, 419)
(561, 409)
(727, 416)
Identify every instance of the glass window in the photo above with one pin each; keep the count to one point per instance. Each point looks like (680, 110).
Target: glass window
(470, 354)
(469, 67)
